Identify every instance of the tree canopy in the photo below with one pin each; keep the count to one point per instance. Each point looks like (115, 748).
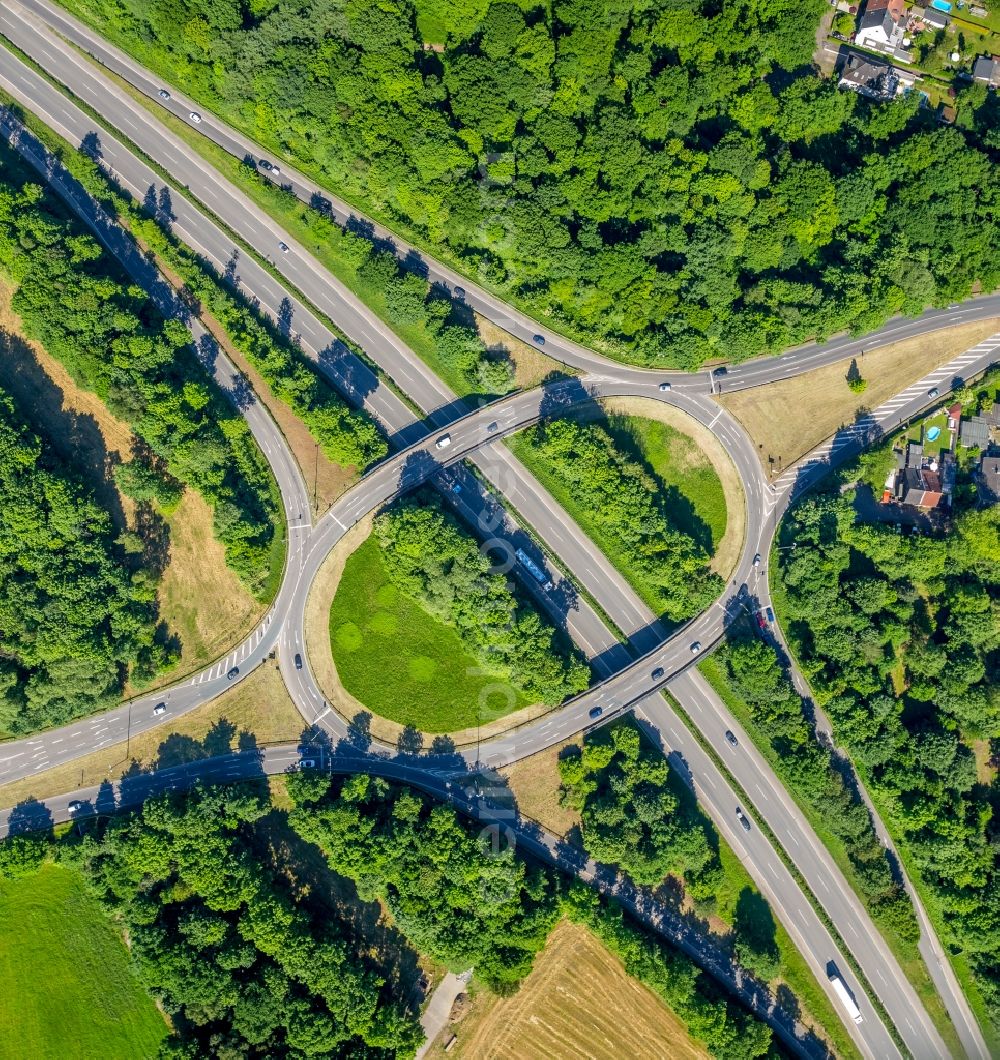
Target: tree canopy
(432, 558)
(672, 182)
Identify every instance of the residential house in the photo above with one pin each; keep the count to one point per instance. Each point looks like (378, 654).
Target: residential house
(870, 78)
(988, 477)
(954, 415)
(993, 416)
(974, 433)
(881, 25)
(987, 69)
(919, 482)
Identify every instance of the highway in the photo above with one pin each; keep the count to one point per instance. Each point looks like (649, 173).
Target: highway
(419, 462)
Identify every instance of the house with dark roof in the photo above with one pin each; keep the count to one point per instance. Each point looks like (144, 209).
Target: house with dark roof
(870, 78)
(988, 478)
(974, 433)
(993, 416)
(987, 70)
(937, 19)
(881, 25)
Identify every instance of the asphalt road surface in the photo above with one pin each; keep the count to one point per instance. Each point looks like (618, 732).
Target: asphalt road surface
(627, 686)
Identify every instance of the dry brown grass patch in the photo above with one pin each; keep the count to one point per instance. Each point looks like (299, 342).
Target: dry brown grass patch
(578, 1001)
(259, 704)
(535, 782)
(531, 366)
(790, 417)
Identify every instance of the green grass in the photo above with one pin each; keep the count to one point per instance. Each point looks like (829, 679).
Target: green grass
(69, 989)
(402, 662)
(681, 465)
(906, 953)
(696, 499)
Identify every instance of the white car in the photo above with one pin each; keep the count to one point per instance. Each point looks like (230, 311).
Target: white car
(933, 392)
(283, 247)
(307, 763)
(664, 387)
(160, 708)
(75, 806)
(696, 647)
(443, 442)
(164, 94)
(195, 117)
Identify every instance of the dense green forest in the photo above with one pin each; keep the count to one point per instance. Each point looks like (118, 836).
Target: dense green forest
(78, 614)
(73, 299)
(670, 181)
(432, 558)
(631, 816)
(244, 960)
(752, 670)
(463, 904)
(615, 496)
(899, 636)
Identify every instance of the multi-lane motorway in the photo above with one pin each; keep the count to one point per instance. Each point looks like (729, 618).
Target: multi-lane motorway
(305, 286)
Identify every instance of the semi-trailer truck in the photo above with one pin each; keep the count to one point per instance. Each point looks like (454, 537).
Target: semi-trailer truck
(533, 569)
(843, 993)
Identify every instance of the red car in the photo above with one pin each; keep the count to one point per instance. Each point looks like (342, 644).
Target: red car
(761, 619)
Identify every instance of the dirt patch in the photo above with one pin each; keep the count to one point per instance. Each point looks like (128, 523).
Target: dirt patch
(258, 705)
(531, 366)
(578, 1001)
(202, 601)
(318, 647)
(790, 417)
(324, 479)
(535, 783)
(728, 553)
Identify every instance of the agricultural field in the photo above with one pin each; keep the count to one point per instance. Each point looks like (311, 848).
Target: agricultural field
(577, 1001)
(70, 992)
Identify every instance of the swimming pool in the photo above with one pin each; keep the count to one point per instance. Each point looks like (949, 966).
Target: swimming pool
(941, 5)
(933, 434)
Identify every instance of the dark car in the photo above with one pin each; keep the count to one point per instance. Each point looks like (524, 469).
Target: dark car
(731, 738)
(596, 712)
(657, 673)
(722, 370)
(265, 165)
(298, 661)
(744, 820)
(459, 292)
(770, 615)
(539, 340)
(492, 428)
(233, 673)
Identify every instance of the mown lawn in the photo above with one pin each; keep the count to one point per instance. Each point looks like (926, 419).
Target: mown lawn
(69, 990)
(400, 661)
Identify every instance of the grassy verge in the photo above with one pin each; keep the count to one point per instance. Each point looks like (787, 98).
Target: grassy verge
(400, 661)
(789, 417)
(906, 953)
(70, 990)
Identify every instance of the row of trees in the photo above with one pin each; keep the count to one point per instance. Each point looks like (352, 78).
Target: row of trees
(73, 299)
(243, 961)
(899, 636)
(630, 507)
(432, 558)
(77, 617)
(667, 181)
(777, 719)
(465, 904)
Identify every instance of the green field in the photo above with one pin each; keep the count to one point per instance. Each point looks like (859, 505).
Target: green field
(402, 662)
(69, 989)
(695, 497)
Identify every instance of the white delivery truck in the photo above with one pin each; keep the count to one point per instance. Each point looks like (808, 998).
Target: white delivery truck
(848, 1002)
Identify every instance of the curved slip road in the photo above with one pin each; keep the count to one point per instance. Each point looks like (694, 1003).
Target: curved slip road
(628, 689)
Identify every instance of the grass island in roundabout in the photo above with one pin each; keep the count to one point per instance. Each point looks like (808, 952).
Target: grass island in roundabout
(406, 623)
